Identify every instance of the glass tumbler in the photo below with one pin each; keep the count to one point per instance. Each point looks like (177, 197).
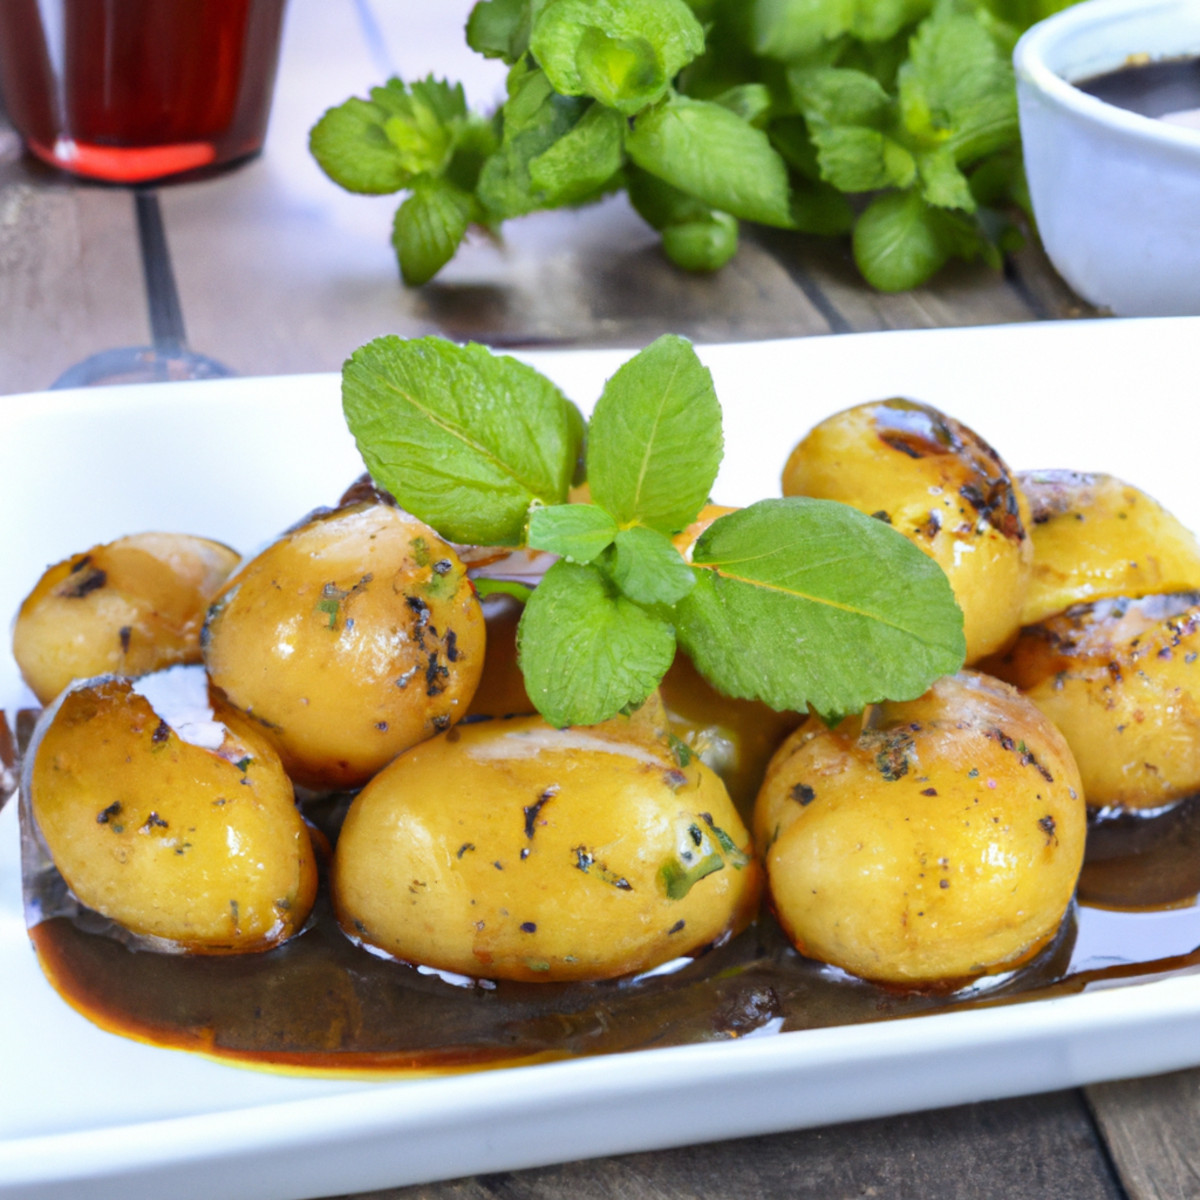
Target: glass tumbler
(131, 91)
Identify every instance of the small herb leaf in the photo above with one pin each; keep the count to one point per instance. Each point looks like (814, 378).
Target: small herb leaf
(809, 602)
(623, 52)
(428, 228)
(704, 149)
(654, 442)
(587, 652)
(464, 439)
(577, 532)
(648, 568)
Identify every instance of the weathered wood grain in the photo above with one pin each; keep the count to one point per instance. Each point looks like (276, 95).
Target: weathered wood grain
(1033, 1148)
(70, 271)
(1152, 1128)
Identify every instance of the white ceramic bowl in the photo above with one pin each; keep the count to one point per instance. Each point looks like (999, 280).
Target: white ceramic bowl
(1116, 195)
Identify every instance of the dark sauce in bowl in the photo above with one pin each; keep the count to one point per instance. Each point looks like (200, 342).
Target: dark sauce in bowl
(1152, 88)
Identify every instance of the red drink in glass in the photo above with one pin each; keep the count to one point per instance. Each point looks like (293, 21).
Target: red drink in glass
(134, 90)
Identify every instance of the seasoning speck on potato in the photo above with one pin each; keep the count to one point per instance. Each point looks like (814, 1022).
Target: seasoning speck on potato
(200, 845)
(928, 842)
(509, 849)
(351, 638)
(126, 608)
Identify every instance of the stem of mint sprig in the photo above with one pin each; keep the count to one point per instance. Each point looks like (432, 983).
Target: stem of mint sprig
(797, 602)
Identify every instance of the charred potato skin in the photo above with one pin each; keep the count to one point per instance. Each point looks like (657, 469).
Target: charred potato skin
(1094, 537)
(1121, 678)
(205, 850)
(512, 850)
(939, 842)
(942, 486)
(351, 638)
(128, 607)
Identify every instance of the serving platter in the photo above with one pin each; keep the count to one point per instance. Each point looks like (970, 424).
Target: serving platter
(86, 1114)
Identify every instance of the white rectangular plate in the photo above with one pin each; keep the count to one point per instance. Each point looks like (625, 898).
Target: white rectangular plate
(85, 1115)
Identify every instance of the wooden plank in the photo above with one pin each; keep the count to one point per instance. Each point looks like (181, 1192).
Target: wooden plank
(313, 269)
(960, 294)
(1025, 1149)
(70, 272)
(1152, 1127)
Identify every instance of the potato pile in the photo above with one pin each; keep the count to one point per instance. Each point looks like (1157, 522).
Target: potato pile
(919, 844)
(941, 838)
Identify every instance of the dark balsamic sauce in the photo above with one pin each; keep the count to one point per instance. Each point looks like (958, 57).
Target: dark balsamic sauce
(321, 1004)
(1153, 88)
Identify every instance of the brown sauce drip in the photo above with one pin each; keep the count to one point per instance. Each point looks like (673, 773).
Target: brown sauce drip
(321, 1004)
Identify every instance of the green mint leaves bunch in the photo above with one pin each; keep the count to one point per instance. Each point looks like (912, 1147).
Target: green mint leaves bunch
(893, 120)
(795, 602)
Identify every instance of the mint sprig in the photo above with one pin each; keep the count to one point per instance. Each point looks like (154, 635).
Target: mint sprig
(893, 119)
(795, 602)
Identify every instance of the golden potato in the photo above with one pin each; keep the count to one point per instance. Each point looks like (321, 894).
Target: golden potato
(943, 487)
(349, 639)
(513, 850)
(132, 606)
(1120, 678)
(202, 847)
(1095, 536)
(735, 738)
(928, 842)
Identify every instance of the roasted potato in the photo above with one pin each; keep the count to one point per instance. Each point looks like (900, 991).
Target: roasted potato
(513, 850)
(126, 608)
(736, 738)
(349, 639)
(927, 842)
(1120, 678)
(1095, 536)
(203, 847)
(943, 487)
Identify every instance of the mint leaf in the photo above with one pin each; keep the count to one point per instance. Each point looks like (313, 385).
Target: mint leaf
(856, 159)
(648, 568)
(750, 101)
(623, 52)
(499, 29)
(809, 602)
(706, 244)
(585, 651)
(879, 20)
(838, 96)
(351, 147)
(654, 441)
(898, 243)
(535, 117)
(658, 203)
(582, 161)
(625, 74)
(576, 532)
(428, 228)
(704, 149)
(958, 87)
(421, 121)
(794, 29)
(942, 183)
(464, 439)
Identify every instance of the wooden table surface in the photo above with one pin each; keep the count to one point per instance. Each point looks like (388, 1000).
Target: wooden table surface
(277, 272)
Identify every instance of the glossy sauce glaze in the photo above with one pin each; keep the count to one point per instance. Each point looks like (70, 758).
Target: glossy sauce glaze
(320, 1004)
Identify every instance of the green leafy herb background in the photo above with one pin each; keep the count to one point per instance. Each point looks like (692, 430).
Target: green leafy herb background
(893, 122)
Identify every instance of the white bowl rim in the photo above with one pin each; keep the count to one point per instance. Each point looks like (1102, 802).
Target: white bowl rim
(1029, 61)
